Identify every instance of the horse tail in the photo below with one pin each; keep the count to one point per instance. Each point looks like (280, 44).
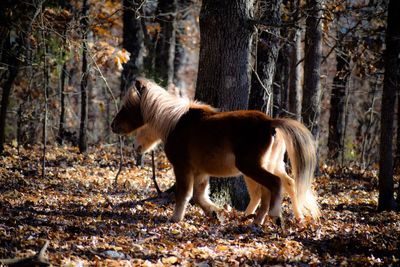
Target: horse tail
(301, 149)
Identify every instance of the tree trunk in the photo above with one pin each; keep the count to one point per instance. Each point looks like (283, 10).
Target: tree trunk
(280, 84)
(45, 96)
(165, 49)
(13, 67)
(295, 67)
(338, 96)
(84, 82)
(185, 57)
(61, 130)
(223, 77)
(390, 86)
(133, 42)
(261, 94)
(311, 103)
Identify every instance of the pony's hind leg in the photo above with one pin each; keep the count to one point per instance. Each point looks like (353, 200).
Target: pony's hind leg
(251, 167)
(290, 187)
(254, 190)
(201, 184)
(183, 193)
(264, 207)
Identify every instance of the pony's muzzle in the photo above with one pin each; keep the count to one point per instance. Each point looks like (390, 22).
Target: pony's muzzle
(116, 128)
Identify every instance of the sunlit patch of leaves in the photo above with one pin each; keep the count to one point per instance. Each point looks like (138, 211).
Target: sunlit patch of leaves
(89, 221)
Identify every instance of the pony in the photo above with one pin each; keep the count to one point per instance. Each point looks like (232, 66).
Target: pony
(147, 139)
(200, 142)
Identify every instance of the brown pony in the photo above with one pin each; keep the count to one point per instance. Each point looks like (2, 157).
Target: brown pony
(200, 141)
(147, 139)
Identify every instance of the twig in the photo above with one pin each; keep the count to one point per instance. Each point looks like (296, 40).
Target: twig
(121, 154)
(116, 107)
(153, 166)
(37, 260)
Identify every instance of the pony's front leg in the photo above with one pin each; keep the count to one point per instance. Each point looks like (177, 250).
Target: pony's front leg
(183, 193)
(201, 185)
(254, 190)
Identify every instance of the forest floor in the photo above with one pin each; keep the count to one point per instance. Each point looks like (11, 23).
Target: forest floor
(89, 221)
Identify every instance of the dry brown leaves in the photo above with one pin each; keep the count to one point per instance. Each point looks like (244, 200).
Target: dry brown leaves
(89, 222)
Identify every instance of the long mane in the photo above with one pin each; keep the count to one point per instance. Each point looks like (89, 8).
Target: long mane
(161, 109)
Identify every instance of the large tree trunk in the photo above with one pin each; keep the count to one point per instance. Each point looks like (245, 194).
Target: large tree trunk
(165, 49)
(337, 112)
(261, 94)
(133, 42)
(312, 63)
(84, 82)
(223, 77)
(390, 86)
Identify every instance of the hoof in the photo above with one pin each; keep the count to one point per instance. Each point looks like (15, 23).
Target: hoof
(175, 219)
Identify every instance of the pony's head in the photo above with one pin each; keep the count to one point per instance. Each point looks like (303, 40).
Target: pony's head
(130, 117)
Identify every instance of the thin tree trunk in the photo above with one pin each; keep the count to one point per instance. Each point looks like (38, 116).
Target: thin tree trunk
(390, 87)
(61, 130)
(280, 84)
(45, 96)
(223, 78)
(183, 61)
(312, 64)
(13, 68)
(261, 94)
(84, 82)
(165, 49)
(133, 42)
(336, 118)
(295, 66)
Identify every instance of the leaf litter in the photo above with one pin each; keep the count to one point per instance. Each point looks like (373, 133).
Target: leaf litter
(90, 222)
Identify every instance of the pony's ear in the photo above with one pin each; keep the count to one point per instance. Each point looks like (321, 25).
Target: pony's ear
(139, 85)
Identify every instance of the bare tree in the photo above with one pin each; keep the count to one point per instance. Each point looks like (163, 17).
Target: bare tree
(223, 78)
(261, 94)
(13, 52)
(390, 87)
(294, 97)
(312, 64)
(338, 96)
(165, 48)
(133, 42)
(84, 81)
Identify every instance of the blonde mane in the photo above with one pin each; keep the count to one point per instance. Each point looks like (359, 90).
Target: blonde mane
(161, 109)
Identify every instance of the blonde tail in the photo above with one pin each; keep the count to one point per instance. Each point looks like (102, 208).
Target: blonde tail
(301, 149)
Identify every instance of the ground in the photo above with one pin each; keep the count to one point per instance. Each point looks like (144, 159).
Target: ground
(90, 221)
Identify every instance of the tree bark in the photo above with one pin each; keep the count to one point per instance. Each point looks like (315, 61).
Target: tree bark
(280, 84)
(223, 78)
(165, 49)
(84, 82)
(13, 68)
(61, 130)
(311, 103)
(185, 57)
(338, 96)
(294, 97)
(261, 94)
(133, 42)
(390, 87)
